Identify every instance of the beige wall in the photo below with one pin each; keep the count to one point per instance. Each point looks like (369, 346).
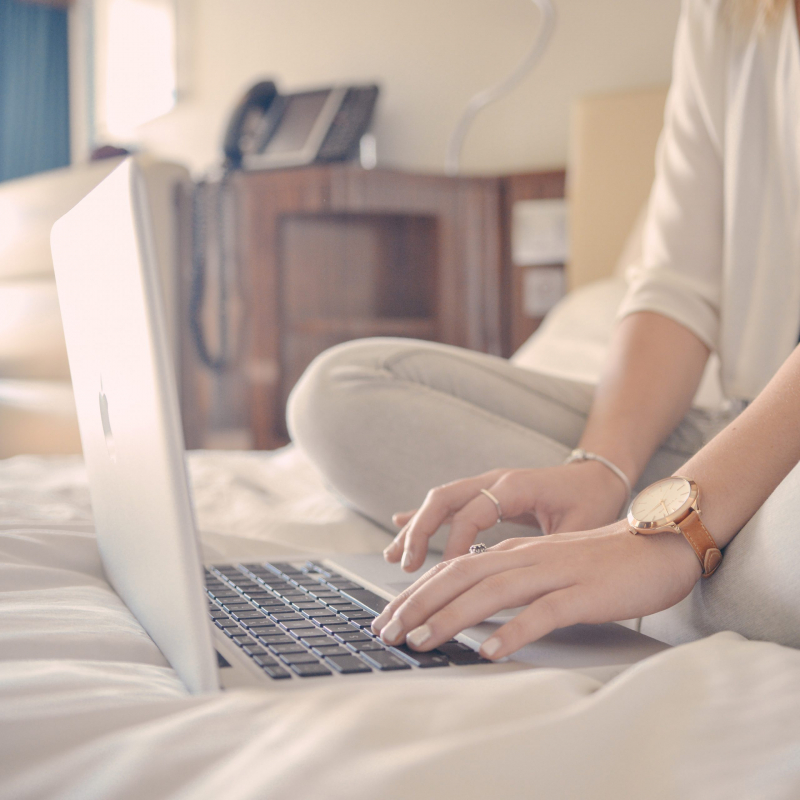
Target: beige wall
(430, 56)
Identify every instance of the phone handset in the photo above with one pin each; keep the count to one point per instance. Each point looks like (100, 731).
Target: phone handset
(245, 127)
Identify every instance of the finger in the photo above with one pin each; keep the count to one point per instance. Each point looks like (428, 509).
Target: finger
(479, 514)
(394, 551)
(388, 612)
(440, 586)
(507, 589)
(401, 518)
(556, 609)
(397, 547)
(440, 503)
(434, 573)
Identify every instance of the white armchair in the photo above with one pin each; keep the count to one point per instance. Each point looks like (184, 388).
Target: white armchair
(37, 413)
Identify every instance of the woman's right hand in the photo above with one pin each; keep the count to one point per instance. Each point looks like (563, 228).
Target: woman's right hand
(580, 496)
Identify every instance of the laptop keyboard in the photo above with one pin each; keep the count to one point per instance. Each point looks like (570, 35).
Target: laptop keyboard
(309, 621)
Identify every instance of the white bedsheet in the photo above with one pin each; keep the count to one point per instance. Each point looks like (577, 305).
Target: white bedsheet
(89, 709)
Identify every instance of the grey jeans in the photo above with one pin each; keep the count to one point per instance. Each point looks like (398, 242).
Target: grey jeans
(385, 420)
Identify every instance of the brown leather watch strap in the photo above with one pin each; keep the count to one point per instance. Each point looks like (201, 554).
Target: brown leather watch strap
(701, 541)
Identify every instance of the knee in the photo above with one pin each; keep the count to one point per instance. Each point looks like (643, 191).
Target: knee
(323, 404)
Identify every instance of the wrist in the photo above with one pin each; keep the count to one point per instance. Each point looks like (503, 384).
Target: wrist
(603, 481)
(621, 457)
(679, 553)
(610, 469)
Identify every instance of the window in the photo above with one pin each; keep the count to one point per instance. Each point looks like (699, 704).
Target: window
(135, 65)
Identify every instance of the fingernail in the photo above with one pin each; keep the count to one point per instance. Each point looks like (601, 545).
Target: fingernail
(378, 622)
(419, 636)
(392, 631)
(386, 553)
(406, 562)
(490, 647)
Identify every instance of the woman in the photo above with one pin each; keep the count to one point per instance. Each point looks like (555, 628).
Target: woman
(387, 419)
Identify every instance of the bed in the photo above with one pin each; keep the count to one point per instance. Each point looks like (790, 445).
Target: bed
(90, 709)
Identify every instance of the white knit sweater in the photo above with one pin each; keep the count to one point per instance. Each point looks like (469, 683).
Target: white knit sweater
(721, 250)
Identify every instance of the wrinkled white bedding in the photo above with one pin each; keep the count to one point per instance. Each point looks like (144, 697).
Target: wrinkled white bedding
(89, 709)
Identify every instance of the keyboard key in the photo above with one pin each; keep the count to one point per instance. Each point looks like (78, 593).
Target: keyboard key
(423, 660)
(274, 584)
(326, 613)
(339, 627)
(229, 569)
(297, 624)
(308, 582)
(285, 567)
(277, 672)
(254, 650)
(359, 613)
(299, 658)
(367, 599)
(354, 636)
(250, 615)
(225, 623)
(316, 641)
(347, 664)
(346, 605)
(331, 650)
(266, 661)
(244, 641)
(324, 594)
(460, 654)
(285, 615)
(258, 628)
(269, 641)
(342, 584)
(217, 613)
(365, 623)
(231, 607)
(289, 647)
(384, 660)
(307, 605)
(370, 644)
(270, 605)
(310, 670)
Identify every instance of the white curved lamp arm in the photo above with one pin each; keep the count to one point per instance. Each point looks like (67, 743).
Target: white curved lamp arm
(483, 98)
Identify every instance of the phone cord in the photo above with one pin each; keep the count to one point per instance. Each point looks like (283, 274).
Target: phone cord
(220, 361)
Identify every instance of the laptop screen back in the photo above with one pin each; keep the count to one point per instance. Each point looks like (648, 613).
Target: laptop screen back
(126, 398)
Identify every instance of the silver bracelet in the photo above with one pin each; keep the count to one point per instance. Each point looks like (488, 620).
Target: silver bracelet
(584, 455)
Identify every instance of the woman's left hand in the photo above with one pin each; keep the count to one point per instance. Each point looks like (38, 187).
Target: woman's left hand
(565, 578)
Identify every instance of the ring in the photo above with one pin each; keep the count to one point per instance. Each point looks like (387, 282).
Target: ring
(477, 548)
(496, 503)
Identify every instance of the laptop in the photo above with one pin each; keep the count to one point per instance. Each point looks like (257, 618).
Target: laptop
(288, 623)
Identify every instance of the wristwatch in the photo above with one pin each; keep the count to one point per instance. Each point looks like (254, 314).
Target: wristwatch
(671, 504)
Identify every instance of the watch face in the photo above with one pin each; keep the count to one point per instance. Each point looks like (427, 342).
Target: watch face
(661, 502)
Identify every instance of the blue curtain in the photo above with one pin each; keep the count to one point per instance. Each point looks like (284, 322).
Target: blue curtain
(34, 89)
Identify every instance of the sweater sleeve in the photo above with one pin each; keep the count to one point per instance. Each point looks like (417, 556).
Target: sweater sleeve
(680, 271)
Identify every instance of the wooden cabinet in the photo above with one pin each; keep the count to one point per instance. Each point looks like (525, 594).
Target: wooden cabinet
(331, 253)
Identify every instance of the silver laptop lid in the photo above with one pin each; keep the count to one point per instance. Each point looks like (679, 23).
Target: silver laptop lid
(125, 393)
